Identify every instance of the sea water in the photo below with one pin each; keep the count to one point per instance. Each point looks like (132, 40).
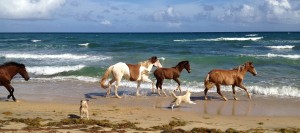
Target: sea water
(84, 57)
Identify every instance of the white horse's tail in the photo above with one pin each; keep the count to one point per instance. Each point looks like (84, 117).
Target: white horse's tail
(104, 77)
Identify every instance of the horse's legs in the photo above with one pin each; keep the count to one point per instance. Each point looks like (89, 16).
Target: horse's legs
(158, 85)
(150, 81)
(109, 86)
(138, 88)
(219, 91)
(205, 93)
(243, 87)
(116, 88)
(233, 91)
(178, 82)
(11, 90)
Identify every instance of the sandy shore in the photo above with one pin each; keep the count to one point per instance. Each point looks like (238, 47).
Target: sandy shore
(267, 114)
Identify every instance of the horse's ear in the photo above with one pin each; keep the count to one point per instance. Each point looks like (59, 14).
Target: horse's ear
(153, 59)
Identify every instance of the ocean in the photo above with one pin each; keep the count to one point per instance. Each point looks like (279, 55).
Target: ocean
(84, 57)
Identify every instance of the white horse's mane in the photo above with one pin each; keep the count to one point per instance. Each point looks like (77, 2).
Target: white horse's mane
(145, 63)
(239, 68)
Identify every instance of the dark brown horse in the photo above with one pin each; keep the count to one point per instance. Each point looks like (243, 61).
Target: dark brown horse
(228, 77)
(170, 73)
(7, 72)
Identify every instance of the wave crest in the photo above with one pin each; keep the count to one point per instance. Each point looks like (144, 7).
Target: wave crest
(50, 70)
(281, 47)
(221, 39)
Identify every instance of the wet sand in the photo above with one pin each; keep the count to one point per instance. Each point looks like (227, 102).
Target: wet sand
(59, 100)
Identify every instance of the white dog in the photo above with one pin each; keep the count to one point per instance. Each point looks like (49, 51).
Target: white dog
(179, 99)
(84, 109)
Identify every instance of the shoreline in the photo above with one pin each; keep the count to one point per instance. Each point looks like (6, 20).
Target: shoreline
(51, 103)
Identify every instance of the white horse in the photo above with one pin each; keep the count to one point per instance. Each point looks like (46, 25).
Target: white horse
(133, 72)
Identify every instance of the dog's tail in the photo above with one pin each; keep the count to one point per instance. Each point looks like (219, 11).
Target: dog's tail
(105, 76)
(207, 83)
(173, 94)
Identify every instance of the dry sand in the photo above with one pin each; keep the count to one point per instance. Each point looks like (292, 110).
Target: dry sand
(267, 114)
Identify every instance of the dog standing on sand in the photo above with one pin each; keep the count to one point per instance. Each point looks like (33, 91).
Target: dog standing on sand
(84, 109)
(186, 98)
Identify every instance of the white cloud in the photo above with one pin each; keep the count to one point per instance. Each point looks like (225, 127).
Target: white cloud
(168, 16)
(105, 22)
(282, 11)
(29, 9)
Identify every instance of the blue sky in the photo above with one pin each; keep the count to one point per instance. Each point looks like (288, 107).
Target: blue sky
(149, 15)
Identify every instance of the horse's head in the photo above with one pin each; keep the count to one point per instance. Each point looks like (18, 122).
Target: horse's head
(155, 61)
(250, 68)
(186, 65)
(23, 72)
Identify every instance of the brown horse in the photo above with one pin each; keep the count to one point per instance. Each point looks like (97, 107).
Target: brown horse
(7, 72)
(170, 73)
(228, 77)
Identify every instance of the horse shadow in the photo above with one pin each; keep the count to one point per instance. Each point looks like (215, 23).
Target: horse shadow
(202, 98)
(93, 95)
(73, 116)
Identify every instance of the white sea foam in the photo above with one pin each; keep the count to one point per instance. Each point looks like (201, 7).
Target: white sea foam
(53, 56)
(270, 55)
(84, 44)
(221, 39)
(36, 40)
(275, 91)
(251, 35)
(281, 47)
(80, 78)
(281, 55)
(50, 70)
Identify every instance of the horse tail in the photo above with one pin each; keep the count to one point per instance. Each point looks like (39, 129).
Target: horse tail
(173, 94)
(207, 83)
(105, 76)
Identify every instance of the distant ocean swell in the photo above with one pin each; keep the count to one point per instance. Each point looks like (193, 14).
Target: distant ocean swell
(53, 56)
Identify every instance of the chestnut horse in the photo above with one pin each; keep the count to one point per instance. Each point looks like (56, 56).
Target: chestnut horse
(170, 73)
(228, 77)
(7, 72)
(133, 72)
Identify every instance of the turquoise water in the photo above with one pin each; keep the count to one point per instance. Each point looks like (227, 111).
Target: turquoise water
(85, 56)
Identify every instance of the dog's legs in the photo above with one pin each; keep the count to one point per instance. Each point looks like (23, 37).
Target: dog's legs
(164, 93)
(191, 102)
(87, 115)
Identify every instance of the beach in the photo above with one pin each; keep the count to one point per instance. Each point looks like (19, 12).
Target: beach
(65, 68)
(262, 113)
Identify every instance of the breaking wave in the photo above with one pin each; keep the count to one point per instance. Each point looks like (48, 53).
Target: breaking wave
(222, 39)
(281, 47)
(50, 70)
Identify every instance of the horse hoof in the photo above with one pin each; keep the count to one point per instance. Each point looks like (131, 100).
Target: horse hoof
(225, 99)
(118, 97)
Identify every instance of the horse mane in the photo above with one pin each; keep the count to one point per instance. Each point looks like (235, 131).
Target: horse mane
(13, 64)
(145, 63)
(239, 68)
(182, 62)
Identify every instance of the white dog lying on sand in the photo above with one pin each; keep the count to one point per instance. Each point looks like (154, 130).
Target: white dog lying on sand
(84, 109)
(179, 99)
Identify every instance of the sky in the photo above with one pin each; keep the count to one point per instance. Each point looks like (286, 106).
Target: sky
(149, 15)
